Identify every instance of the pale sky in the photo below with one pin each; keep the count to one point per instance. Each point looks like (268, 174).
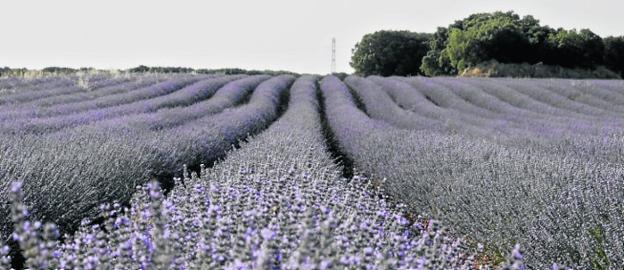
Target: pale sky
(262, 34)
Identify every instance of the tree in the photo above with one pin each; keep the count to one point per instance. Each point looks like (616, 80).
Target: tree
(489, 36)
(390, 53)
(614, 54)
(500, 37)
(571, 48)
(437, 62)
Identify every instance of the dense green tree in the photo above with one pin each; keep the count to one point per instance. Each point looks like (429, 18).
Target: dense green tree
(390, 53)
(571, 48)
(506, 38)
(537, 36)
(481, 37)
(437, 62)
(500, 36)
(614, 54)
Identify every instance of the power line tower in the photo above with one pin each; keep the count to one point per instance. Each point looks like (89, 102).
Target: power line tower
(333, 60)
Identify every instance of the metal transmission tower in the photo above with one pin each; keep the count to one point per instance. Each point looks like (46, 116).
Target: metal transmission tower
(333, 60)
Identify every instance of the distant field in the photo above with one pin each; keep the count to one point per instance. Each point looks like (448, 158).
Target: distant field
(309, 172)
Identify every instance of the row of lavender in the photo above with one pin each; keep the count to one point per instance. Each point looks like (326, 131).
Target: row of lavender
(503, 161)
(52, 90)
(68, 171)
(278, 202)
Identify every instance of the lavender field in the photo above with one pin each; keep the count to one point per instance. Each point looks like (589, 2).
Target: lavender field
(190, 171)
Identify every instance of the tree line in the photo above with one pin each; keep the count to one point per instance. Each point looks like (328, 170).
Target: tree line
(502, 37)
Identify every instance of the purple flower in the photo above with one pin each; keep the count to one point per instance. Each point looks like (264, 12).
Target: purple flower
(16, 187)
(267, 234)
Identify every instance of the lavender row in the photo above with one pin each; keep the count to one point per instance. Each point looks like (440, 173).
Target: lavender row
(230, 95)
(139, 82)
(55, 87)
(543, 95)
(258, 210)
(379, 105)
(35, 89)
(494, 194)
(615, 86)
(146, 92)
(458, 103)
(209, 137)
(13, 85)
(603, 99)
(596, 139)
(66, 175)
(557, 135)
(111, 86)
(30, 108)
(529, 120)
(435, 104)
(182, 97)
(538, 91)
(72, 114)
(532, 108)
(507, 104)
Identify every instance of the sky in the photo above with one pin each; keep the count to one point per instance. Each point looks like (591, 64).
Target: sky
(255, 34)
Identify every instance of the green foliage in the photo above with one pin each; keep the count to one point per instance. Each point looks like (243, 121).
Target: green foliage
(571, 48)
(390, 53)
(503, 37)
(614, 54)
(437, 62)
